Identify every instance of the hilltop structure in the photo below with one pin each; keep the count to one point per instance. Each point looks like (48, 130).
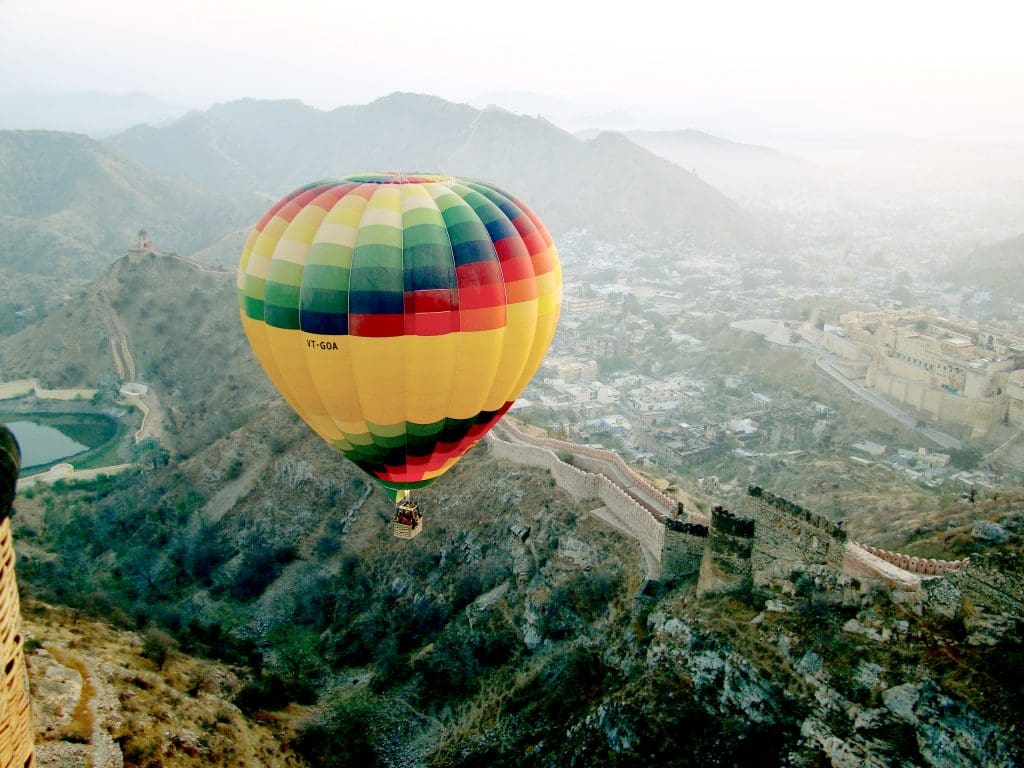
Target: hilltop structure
(143, 244)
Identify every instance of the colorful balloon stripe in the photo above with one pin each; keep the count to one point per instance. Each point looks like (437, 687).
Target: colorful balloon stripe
(400, 315)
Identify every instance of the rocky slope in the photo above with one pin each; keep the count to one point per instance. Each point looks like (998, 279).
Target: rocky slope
(508, 633)
(104, 697)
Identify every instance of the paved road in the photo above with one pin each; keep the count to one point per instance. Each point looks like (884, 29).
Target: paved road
(936, 436)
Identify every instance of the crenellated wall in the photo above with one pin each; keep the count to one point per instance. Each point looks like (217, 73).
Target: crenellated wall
(630, 514)
(788, 537)
(725, 565)
(661, 505)
(922, 565)
(683, 550)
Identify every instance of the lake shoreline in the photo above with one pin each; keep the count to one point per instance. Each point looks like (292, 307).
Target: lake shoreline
(105, 431)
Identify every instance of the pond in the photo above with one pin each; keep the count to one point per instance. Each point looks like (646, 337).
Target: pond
(48, 438)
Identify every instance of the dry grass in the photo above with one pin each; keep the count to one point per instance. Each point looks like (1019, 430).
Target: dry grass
(182, 715)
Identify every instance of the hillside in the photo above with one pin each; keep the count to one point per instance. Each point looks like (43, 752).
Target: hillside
(996, 268)
(607, 186)
(140, 699)
(69, 206)
(181, 325)
(508, 633)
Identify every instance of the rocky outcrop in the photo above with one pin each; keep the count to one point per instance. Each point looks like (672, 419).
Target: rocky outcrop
(911, 722)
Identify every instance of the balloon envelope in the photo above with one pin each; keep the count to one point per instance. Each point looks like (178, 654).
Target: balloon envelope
(400, 315)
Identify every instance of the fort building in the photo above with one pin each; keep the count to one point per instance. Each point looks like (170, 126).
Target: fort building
(958, 373)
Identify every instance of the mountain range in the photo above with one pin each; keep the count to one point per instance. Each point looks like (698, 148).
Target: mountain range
(95, 113)
(69, 206)
(607, 186)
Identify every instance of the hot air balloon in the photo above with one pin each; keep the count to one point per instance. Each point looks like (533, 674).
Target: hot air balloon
(400, 316)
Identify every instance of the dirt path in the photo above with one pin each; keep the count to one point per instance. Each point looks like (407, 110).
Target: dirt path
(232, 491)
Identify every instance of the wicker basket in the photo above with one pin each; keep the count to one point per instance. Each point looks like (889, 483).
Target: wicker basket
(16, 730)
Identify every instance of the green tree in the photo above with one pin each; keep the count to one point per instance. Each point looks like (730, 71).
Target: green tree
(966, 457)
(296, 659)
(149, 453)
(157, 646)
(342, 731)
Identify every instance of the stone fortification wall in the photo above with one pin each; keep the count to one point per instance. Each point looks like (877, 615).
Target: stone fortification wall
(922, 565)
(850, 350)
(725, 565)
(631, 515)
(22, 387)
(980, 415)
(68, 473)
(664, 505)
(683, 550)
(788, 537)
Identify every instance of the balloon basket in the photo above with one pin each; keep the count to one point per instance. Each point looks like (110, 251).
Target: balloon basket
(408, 523)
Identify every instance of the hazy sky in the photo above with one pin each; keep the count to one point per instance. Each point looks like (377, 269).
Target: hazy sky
(899, 67)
